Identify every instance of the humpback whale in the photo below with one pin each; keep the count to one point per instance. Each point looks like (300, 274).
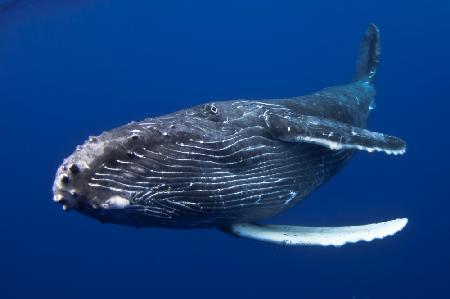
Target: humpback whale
(231, 164)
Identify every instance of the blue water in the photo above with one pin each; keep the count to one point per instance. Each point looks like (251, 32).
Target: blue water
(75, 69)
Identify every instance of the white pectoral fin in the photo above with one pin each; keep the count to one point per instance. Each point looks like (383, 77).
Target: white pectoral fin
(330, 133)
(324, 236)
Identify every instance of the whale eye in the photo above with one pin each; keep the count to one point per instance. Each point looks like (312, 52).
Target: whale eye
(211, 109)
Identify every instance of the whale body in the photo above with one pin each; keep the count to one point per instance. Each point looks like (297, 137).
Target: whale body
(230, 164)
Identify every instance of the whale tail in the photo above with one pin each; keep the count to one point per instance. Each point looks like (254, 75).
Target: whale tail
(368, 56)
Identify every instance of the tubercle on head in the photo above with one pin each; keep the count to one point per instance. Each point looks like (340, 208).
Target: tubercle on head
(68, 184)
(74, 186)
(71, 188)
(64, 189)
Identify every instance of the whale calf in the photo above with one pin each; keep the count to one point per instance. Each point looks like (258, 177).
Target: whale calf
(231, 164)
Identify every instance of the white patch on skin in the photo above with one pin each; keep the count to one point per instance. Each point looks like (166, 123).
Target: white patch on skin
(116, 202)
(338, 146)
(292, 195)
(324, 236)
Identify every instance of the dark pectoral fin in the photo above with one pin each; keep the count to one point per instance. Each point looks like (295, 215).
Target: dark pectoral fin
(330, 133)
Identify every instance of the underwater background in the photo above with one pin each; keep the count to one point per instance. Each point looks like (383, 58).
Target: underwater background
(70, 69)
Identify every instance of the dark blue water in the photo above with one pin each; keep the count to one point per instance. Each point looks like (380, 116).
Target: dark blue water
(74, 69)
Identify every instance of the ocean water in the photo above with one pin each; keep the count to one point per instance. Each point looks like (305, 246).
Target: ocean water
(70, 69)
